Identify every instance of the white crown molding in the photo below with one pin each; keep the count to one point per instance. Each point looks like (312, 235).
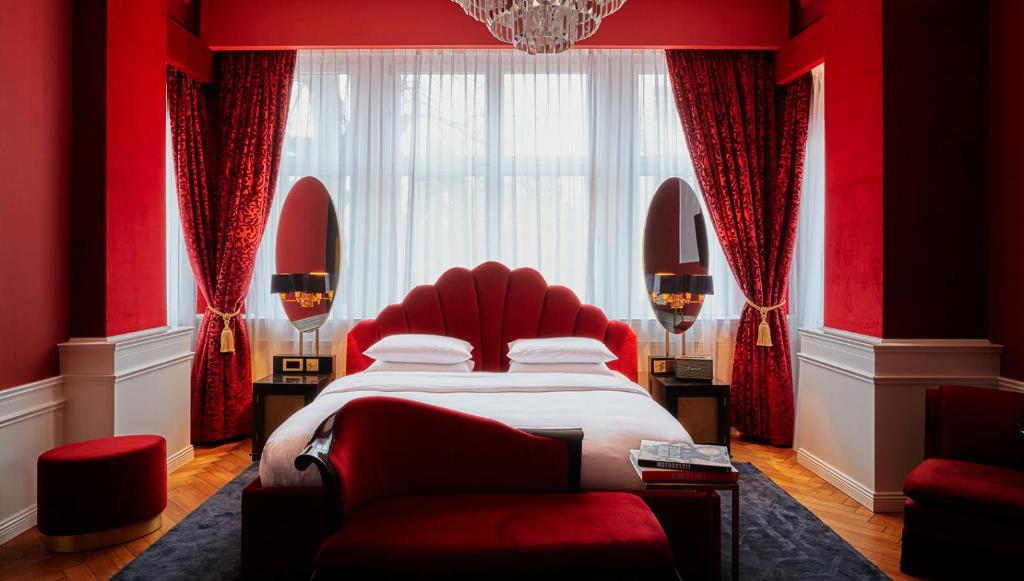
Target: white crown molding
(155, 331)
(20, 391)
(1011, 384)
(30, 400)
(29, 413)
(125, 353)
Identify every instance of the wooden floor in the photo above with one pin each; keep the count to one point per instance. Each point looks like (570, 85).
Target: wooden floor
(876, 536)
(24, 557)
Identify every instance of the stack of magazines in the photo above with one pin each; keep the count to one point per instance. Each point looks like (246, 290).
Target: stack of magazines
(683, 462)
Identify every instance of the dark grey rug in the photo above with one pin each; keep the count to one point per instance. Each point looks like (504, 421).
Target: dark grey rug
(779, 539)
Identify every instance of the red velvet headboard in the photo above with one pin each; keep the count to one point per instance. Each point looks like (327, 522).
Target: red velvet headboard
(490, 306)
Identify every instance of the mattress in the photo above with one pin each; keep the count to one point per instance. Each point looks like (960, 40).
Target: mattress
(614, 412)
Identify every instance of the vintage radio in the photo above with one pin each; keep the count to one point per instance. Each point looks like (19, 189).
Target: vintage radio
(695, 368)
(313, 364)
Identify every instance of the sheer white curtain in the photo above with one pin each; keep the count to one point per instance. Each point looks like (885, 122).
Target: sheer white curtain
(181, 283)
(807, 277)
(441, 158)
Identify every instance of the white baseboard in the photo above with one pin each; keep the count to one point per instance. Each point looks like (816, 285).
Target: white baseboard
(31, 422)
(876, 501)
(835, 477)
(17, 523)
(180, 458)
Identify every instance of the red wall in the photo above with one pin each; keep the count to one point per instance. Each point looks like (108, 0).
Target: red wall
(802, 53)
(1006, 183)
(853, 166)
(188, 53)
(35, 116)
(905, 141)
(136, 133)
(117, 247)
(237, 24)
(934, 156)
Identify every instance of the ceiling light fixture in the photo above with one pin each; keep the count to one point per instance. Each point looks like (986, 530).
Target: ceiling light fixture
(540, 26)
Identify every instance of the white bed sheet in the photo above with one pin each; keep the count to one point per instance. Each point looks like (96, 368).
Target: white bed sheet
(615, 415)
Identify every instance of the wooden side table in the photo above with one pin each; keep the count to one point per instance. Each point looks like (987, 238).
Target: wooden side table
(708, 488)
(276, 397)
(706, 404)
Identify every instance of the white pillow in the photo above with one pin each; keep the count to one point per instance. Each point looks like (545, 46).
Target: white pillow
(412, 348)
(463, 367)
(594, 368)
(560, 350)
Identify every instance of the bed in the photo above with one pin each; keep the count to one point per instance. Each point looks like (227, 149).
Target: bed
(488, 306)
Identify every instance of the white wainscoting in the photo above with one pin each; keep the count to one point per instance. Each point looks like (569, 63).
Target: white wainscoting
(131, 384)
(31, 422)
(860, 405)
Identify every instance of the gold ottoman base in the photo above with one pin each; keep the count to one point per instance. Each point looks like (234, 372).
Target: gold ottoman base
(100, 539)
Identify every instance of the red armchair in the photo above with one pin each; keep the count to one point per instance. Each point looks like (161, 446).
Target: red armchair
(964, 513)
(424, 491)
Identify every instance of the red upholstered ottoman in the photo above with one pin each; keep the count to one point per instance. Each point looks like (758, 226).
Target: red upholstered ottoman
(101, 492)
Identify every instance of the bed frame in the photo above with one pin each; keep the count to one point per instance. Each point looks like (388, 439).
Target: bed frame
(488, 306)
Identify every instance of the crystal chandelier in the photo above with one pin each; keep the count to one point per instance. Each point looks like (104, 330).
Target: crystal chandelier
(540, 26)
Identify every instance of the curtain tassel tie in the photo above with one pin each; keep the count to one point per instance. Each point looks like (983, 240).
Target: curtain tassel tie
(227, 337)
(764, 332)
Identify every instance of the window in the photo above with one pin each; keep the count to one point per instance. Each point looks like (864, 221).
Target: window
(441, 158)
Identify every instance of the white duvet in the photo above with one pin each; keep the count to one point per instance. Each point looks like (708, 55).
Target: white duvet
(615, 415)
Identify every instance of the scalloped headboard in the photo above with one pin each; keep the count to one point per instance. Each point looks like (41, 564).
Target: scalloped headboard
(490, 306)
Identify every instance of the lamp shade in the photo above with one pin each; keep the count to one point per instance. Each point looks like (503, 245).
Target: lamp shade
(663, 283)
(313, 282)
(285, 283)
(698, 284)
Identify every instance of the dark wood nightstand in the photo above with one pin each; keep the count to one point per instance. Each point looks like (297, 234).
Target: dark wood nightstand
(278, 396)
(702, 407)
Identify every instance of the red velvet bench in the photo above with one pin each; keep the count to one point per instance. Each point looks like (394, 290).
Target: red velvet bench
(101, 492)
(422, 491)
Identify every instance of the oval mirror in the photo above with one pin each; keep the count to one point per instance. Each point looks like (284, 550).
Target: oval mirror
(308, 255)
(676, 256)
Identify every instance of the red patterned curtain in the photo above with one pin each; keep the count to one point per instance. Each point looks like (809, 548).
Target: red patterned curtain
(747, 139)
(226, 162)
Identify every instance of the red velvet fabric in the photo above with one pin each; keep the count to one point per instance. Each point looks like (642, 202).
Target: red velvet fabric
(489, 307)
(964, 514)
(978, 425)
(993, 489)
(282, 529)
(226, 179)
(747, 140)
(943, 541)
(97, 485)
(387, 446)
(478, 533)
